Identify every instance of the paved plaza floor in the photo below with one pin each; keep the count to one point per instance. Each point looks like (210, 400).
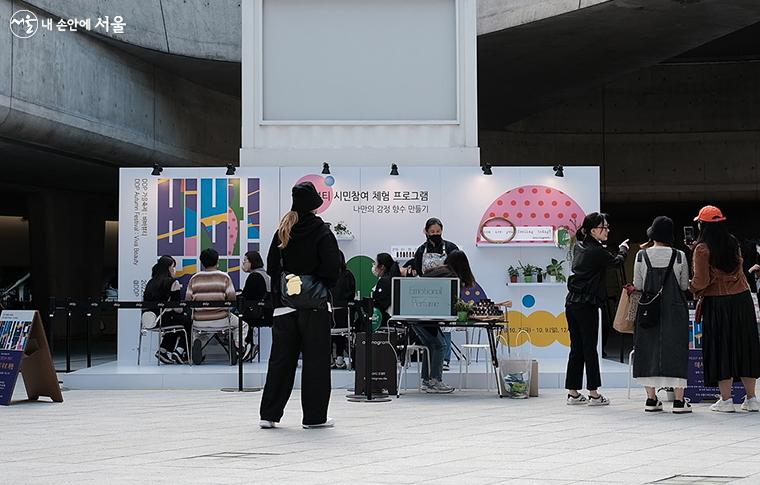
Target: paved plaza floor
(468, 437)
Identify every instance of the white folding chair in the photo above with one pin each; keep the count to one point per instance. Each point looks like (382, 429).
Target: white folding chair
(150, 322)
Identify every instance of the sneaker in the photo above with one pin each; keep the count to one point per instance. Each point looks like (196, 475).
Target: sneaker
(445, 366)
(178, 357)
(598, 401)
(653, 405)
(264, 424)
(247, 351)
(574, 400)
(164, 356)
(681, 407)
(340, 363)
(327, 424)
(751, 404)
(425, 386)
(438, 387)
(197, 352)
(722, 406)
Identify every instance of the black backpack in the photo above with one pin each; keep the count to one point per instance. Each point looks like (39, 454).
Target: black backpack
(648, 312)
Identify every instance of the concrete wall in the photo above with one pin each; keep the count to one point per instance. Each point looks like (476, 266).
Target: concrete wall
(73, 92)
(194, 28)
(688, 132)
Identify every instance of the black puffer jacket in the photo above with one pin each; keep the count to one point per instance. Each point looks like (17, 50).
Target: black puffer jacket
(312, 250)
(590, 262)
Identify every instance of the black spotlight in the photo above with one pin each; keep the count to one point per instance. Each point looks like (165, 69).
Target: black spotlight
(559, 171)
(230, 169)
(394, 169)
(325, 168)
(157, 169)
(487, 169)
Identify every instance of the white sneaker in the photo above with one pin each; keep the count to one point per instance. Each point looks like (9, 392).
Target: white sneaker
(722, 406)
(575, 400)
(264, 424)
(751, 404)
(598, 401)
(327, 424)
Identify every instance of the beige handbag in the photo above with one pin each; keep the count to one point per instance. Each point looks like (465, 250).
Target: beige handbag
(625, 316)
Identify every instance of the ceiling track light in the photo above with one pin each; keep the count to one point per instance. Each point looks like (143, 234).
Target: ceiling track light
(394, 169)
(230, 169)
(487, 169)
(325, 168)
(559, 171)
(157, 169)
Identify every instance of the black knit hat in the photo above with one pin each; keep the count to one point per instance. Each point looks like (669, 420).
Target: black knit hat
(305, 198)
(661, 230)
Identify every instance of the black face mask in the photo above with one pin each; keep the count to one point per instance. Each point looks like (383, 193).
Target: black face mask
(436, 239)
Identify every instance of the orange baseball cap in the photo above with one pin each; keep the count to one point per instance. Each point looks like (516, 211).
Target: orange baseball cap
(710, 213)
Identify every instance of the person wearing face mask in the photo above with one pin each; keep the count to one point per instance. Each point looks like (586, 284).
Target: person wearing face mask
(432, 254)
(257, 289)
(586, 295)
(385, 268)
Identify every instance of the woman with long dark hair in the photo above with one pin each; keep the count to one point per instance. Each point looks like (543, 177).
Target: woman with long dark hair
(730, 346)
(586, 295)
(164, 287)
(456, 265)
(302, 246)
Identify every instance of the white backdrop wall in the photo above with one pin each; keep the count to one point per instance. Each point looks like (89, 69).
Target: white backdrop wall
(382, 211)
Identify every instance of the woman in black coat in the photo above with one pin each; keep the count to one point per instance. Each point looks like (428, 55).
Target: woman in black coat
(303, 245)
(164, 287)
(586, 295)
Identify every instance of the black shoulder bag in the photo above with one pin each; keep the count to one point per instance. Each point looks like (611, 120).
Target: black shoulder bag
(648, 313)
(314, 294)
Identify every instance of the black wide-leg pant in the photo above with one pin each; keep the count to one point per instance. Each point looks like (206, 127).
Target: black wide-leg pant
(304, 332)
(583, 325)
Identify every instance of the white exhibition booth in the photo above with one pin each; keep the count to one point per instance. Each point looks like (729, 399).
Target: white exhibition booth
(186, 210)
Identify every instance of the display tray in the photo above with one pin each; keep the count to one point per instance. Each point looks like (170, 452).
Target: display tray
(493, 318)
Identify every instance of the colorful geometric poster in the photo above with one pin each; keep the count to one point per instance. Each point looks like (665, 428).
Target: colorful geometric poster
(194, 214)
(179, 214)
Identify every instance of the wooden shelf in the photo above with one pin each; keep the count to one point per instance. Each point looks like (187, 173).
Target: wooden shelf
(537, 284)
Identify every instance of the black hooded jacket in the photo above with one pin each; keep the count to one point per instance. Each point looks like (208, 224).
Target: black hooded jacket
(312, 250)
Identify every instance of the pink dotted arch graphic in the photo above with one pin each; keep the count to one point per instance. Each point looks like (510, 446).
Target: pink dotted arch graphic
(534, 205)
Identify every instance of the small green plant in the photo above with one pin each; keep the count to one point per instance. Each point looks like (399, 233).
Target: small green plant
(555, 271)
(513, 271)
(528, 269)
(462, 306)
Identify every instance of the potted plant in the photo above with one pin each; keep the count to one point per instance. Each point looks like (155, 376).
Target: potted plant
(342, 231)
(555, 272)
(528, 271)
(463, 310)
(513, 274)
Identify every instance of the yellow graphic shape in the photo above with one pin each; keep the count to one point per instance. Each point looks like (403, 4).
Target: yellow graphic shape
(173, 233)
(214, 220)
(187, 270)
(543, 327)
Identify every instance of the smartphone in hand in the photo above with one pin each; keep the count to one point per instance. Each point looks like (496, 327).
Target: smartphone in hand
(688, 234)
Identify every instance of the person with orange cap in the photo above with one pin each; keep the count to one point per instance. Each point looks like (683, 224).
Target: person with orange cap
(730, 344)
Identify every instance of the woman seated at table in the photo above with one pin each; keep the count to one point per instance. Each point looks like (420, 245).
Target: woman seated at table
(456, 265)
(164, 287)
(386, 269)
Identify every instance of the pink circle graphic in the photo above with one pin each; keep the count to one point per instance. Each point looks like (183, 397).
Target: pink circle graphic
(323, 189)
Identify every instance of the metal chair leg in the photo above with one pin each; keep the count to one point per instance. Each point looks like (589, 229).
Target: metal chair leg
(139, 345)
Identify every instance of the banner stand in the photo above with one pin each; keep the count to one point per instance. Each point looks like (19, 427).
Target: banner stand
(24, 349)
(368, 396)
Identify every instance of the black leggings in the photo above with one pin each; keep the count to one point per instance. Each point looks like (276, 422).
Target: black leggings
(583, 325)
